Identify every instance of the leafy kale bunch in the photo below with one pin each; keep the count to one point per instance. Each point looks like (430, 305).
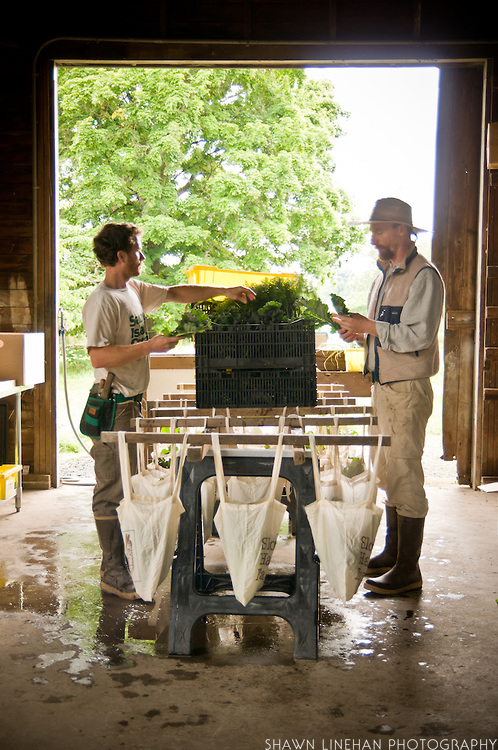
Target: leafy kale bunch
(321, 314)
(193, 320)
(277, 300)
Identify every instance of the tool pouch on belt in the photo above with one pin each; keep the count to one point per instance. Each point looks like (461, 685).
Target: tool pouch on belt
(100, 409)
(98, 415)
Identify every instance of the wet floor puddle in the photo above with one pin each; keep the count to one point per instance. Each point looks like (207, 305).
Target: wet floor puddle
(59, 582)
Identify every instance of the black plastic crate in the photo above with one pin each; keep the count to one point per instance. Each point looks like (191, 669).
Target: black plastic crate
(294, 386)
(253, 346)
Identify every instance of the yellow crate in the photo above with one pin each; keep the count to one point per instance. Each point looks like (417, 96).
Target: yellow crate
(220, 277)
(9, 476)
(354, 360)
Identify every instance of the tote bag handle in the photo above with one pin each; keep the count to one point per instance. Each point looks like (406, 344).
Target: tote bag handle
(316, 468)
(218, 465)
(220, 476)
(124, 462)
(372, 487)
(277, 463)
(176, 488)
(141, 450)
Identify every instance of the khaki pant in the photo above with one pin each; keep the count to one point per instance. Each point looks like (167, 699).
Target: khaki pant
(108, 491)
(403, 409)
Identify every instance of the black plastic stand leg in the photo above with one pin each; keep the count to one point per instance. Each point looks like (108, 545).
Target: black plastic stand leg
(193, 589)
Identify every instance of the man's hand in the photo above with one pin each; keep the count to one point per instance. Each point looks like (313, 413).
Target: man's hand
(188, 293)
(240, 293)
(355, 327)
(160, 343)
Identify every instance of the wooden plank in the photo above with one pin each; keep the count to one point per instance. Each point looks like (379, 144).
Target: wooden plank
(318, 420)
(230, 438)
(456, 251)
(487, 459)
(375, 20)
(172, 412)
(45, 316)
(458, 319)
(172, 362)
(16, 298)
(36, 481)
(491, 290)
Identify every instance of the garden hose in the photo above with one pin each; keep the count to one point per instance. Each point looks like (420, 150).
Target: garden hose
(62, 334)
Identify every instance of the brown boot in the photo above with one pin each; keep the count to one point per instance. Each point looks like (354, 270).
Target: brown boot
(405, 575)
(115, 577)
(387, 558)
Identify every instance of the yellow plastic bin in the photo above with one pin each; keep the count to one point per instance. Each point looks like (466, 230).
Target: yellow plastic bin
(220, 277)
(9, 478)
(354, 360)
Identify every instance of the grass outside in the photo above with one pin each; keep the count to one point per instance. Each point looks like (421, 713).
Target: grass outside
(79, 381)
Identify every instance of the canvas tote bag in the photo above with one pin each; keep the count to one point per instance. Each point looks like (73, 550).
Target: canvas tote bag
(248, 530)
(149, 522)
(344, 530)
(254, 489)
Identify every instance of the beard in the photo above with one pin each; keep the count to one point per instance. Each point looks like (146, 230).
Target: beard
(385, 252)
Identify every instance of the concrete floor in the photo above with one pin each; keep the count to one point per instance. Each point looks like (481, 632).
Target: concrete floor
(80, 670)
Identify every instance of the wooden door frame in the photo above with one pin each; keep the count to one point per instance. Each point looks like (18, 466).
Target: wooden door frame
(458, 253)
(115, 52)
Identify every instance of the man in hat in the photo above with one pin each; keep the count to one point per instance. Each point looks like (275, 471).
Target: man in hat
(117, 342)
(400, 336)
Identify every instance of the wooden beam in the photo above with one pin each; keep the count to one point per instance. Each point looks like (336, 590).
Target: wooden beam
(230, 438)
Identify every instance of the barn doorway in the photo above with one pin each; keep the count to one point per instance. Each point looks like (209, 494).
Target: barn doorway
(385, 150)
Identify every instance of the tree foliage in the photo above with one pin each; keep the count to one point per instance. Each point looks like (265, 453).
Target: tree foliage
(229, 168)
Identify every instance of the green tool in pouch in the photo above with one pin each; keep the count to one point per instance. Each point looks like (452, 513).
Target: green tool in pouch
(100, 409)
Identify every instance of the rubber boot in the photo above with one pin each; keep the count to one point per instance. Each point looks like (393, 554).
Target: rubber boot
(115, 577)
(387, 558)
(405, 575)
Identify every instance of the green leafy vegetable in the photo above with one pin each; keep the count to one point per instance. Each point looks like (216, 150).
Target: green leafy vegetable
(339, 305)
(354, 467)
(321, 312)
(277, 301)
(192, 321)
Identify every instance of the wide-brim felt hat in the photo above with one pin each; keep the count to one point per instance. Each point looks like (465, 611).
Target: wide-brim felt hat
(391, 211)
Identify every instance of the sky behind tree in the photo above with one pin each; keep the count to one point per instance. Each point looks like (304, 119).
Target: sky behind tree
(389, 144)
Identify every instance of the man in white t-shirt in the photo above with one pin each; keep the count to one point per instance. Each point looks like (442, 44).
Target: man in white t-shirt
(114, 321)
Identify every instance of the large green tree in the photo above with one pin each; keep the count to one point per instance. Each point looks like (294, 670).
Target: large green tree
(231, 168)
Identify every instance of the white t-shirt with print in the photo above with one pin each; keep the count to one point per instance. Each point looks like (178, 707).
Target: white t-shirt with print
(117, 316)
